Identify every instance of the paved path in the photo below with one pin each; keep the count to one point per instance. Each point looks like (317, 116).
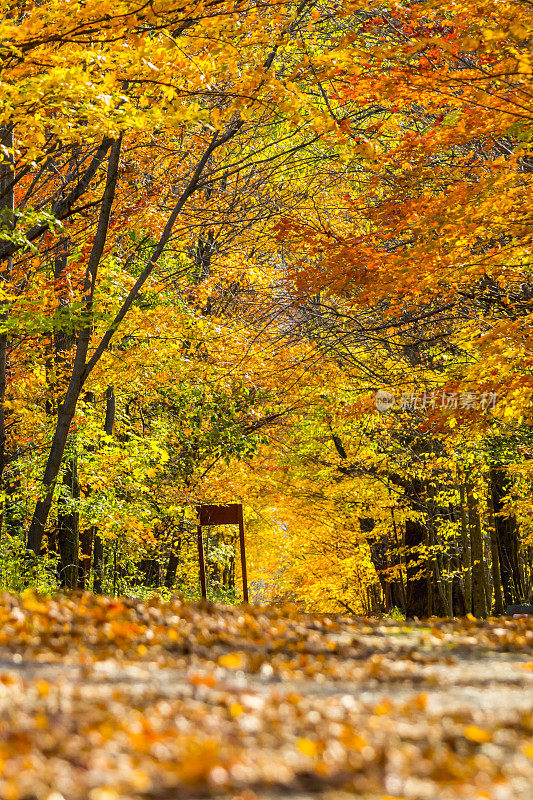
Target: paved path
(106, 700)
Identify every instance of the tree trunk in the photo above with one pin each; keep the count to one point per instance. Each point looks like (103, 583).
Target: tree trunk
(419, 581)
(479, 592)
(80, 369)
(7, 207)
(86, 545)
(495, 559)
(68, 534)
(398, 589)
(467, 555)
(417, 591)
(98, 564)
(508, 539)
(98, 544)
(439, 598)
(110, 411)
(458, 597)
(151, 571)
(172, 566)
(231, 583)
(68, 518)
(174, 558)
(379, 554)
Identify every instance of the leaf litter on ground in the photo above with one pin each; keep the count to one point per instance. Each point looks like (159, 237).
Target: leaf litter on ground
(106, 699)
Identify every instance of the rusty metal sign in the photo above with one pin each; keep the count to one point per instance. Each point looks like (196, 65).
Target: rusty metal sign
(230, 514)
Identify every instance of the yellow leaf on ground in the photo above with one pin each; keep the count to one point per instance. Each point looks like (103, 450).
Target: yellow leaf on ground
(307, 747)
(528, 750)
(478, 735)
(231, 661)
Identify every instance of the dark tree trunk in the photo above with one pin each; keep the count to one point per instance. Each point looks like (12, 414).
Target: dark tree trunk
(68, 528)
(458, 597)
(466, 551)
(86, 545)
(173, 558)
(417, 591)
(419, 584)
(479, 589)
(68, 519)
(12, 484)
(98, 544)
(80, 367)
(495, 560)
(419, 581)
(98, 564)
(508, 539)
(151, 571)
(172, 567)
(7, 207)
(231, 582)
(438, 604)
(383, 560)
(110, 411)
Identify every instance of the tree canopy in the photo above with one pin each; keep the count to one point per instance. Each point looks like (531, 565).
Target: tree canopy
(230, 229)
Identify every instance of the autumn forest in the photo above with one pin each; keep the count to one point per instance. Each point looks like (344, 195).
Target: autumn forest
(273, 253)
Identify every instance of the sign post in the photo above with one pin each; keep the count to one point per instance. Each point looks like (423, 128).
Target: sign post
(230, 514)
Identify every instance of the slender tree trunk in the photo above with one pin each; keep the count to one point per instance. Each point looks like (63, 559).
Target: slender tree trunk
(98, 564)
(86, 547)
(12, 484)
(232, 571)
(68, 533)
(174, 557)
(440, 598)
(522, 571)
(151, 571)
(401, 594)
(508, 539)
(98, 546)
(479, 592)
(378, 546)
(68, 517)
(417, 591)
(110, 411)
(467, 555)
(173, 563)
(529, 586)
(456, 584)
(495, 559)
(449, 584)
(7, 207)
(458, 596)
(115, 571)
(79, 369)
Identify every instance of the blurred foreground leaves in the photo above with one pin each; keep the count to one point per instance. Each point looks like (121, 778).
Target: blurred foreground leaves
(107, 699)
